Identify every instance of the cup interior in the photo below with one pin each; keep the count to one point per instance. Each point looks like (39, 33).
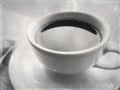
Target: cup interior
(42, 25)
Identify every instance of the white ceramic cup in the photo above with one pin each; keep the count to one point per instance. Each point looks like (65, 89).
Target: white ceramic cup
(74, 61)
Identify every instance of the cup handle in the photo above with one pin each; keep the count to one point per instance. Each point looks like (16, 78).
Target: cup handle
(110, 48)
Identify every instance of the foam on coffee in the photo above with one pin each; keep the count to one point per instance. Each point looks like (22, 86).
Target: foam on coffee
(68, 35)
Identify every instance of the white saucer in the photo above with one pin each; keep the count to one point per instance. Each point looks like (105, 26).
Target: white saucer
(26, 72)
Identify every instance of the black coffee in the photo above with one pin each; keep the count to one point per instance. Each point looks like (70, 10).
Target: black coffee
(68, 35)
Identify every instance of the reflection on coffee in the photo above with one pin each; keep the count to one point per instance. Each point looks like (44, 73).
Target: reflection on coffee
(68, 35)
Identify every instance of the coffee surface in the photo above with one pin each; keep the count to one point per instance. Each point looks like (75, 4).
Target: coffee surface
(68, 36)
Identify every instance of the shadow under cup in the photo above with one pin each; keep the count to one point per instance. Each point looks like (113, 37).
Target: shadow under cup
(68, 42)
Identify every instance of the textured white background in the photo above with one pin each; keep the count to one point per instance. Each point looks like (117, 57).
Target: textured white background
(17, 15)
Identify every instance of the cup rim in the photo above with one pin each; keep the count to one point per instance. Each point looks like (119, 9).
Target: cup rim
(91, 49)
